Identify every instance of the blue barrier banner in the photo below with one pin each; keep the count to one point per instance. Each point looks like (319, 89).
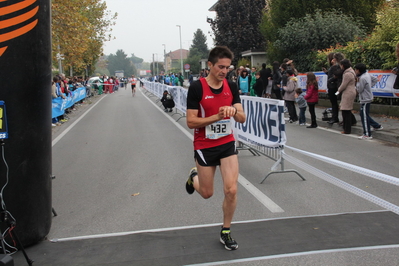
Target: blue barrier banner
(59, 105)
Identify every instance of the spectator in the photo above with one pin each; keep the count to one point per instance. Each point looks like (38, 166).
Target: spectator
(55, 88)
(167, 101)
(264, 75)
(181, 79)
(276, 80)
(284, 77)
(312, 97)
(290, 65)
(258, 87)
(55, 93)
(243, 82)
(289, 95)
(300, 100)
(269, 86)
(167, 80)
(100, 85)
(231, 75)
(116, 84)
(190, 78)
(333, 83)
(363, 87)
(348, 94)
(172, 80)
(253, 80)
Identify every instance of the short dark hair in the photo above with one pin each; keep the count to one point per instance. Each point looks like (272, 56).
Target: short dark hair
(220, 52)
(298, 90)
(290, 72)
(361, 67)
(346, 63)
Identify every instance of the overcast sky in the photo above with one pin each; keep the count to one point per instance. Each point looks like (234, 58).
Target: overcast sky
(143, 26)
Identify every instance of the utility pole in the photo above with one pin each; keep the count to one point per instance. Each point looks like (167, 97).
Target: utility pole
(181, 51)
(164, 59)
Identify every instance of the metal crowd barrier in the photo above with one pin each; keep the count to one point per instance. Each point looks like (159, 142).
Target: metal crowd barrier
(274, 153)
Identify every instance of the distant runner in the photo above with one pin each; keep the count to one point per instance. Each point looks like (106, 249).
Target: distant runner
(133, 82)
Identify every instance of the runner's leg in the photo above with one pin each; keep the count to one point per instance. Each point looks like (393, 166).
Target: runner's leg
(204, 184)
(229, 171)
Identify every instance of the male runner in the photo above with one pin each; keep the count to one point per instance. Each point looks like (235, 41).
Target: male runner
(211, 101)
(133, 82)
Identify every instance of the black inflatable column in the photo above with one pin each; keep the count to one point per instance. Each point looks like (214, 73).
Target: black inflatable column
(25, 88)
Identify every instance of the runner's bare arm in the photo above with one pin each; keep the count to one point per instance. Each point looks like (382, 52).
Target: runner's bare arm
(240, 115)
(193, 121)
(236, 111)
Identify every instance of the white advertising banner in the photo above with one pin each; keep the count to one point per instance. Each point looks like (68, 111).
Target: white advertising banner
(265, 124)
(383, 88)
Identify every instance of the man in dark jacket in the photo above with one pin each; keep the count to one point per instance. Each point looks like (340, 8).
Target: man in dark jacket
(264, 75)
(167, 101)
(333, 83)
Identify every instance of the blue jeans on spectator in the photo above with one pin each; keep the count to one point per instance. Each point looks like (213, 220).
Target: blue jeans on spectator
(367, 121)
(302, 118)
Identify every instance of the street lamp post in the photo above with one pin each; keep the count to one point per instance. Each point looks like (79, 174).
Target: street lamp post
(164, 59)
(157, 66)
(181, 51)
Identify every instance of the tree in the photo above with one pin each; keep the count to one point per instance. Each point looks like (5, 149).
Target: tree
(315, 32)
(386, 34)
(198, 50)
(199, 46)
(79, 29)
(377, 51)
(237, 25)
(137, 61)
(282, 11)
(119, 61)
(279, 13)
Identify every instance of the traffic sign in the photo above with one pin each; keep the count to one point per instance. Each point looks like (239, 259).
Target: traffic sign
(187, 66)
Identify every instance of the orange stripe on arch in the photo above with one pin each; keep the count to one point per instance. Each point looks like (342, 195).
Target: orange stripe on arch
(2, 49)
(19, 19)
(13, 34)
(15, 7)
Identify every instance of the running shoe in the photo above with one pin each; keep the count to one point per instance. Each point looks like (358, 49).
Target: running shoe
(376, 129)
(190, 183)
(226, 239)
(365, 137)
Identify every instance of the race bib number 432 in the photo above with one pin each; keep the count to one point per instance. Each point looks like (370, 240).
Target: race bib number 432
(218, 129)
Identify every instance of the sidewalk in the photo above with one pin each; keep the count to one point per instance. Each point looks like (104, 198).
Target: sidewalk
(390, 132)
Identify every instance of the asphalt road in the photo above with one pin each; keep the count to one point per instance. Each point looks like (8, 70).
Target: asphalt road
(123, 165)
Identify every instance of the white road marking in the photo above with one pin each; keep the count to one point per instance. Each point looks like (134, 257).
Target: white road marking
(315, 252)
(54, 240)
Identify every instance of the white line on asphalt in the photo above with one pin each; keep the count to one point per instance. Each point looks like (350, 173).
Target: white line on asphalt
(259, 195)
(54, 240)
(295, 255)
(60, 136)
(338, 132)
